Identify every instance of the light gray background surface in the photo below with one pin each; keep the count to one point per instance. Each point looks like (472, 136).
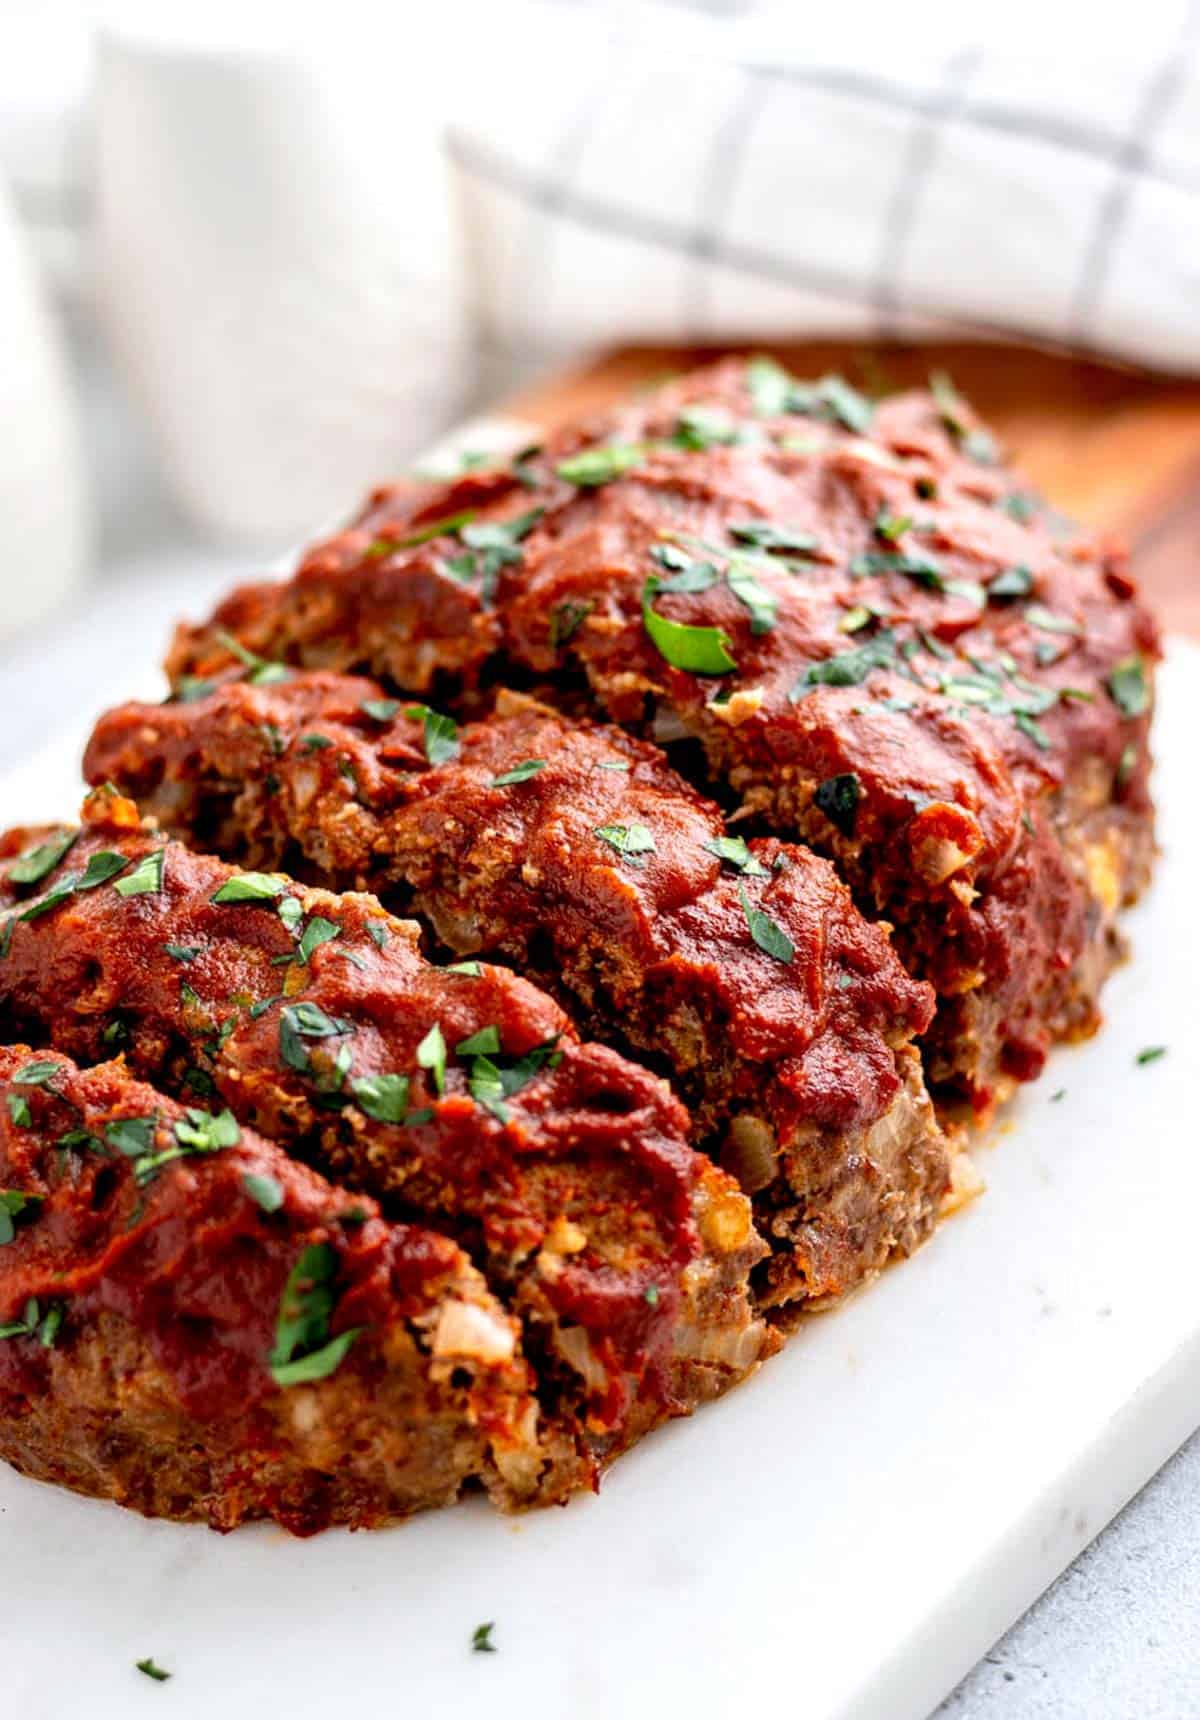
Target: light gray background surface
(1118, 1636)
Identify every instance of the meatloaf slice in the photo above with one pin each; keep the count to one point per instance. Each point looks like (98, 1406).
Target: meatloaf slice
(783, 1017)
(882, 641)
(193, 1325)
(461, 1097)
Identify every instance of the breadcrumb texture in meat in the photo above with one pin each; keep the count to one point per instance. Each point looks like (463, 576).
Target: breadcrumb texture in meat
(898, 610)
(464, 1098)
(577, 852)
(152, 1295)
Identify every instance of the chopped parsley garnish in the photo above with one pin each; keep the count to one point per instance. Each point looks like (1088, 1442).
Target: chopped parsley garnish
(739, 577)
(765, 534)
(700, 650)
(481, 1638)
(857, 617)
(152, 1670)
(445, 527)
(383, 1097)
(594, 466)
(1151, 1054)
(301, 1021)
(471, 970)
(14, 1202)
(248, 887)
(18, 1110)
(1128, 687)
(261, 672)
(519, 773)
(1011, 582)
(496, 543)
(769, 937)
(773, 393)
(264, 1190)
(32, 1323)
(380, 710)
(700, 427)
(891, 527)
(687, 576)
(38, 1073)
(631, 841)
(838, 798)
(651, 1296)
(1039, 616)
(949, 403)
(195, 1132)
(921, 568)
(849, 669)
(304, 1350)
(131, 1136)
(565, 621)
(734, 851)
(485, 1043)
(377, 932)
(315, 743)
(101, 867)
(318, 931)
(431, 1055)
(33, 865)
(440, 733)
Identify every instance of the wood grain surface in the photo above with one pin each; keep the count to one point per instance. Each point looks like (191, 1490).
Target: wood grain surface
(1114, 448)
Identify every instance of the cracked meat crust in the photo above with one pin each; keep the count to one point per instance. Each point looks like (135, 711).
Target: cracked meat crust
(799, 1072)
(931, 679)
(464, 1099)
(150, 1288)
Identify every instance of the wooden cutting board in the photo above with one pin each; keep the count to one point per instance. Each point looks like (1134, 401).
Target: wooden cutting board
(1114, 448)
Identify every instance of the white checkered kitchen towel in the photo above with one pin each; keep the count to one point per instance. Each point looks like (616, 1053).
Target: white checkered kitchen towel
(357, 243)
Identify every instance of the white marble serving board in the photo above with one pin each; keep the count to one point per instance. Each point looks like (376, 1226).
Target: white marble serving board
(844, 1536)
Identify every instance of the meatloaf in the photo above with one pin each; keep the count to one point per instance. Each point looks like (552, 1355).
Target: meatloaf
(782, 1017)
(195, 1325)
(873, 634)
(461, 1096)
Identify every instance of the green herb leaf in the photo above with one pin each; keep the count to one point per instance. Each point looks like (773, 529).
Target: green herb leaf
(765, 534)
(849, 669)
(431, 1055)
(769, 386)
(182, 952)
(769, 937)
(383, 1097)
(301, 1021)
(631, 841)
(38, 1073)
(1128, 686)
(891, 527)
(838, 798)
(481, 1638)
(261, 672)
(445, 527)
(378, 934)
(699, 427)
(291, 913)
(14, 1202)
(1011, 582)
(248, 887)
(700, 650)
(1037, 615)
(565, 621)
(519, 772)
(303, 1349)
(131, 1136)
(594, 466)
(318, 931)
(18, 1110)
(151, 1670)
(43, 857)
(264, 1190)
(734, 851)
(485, 1043)
(101, 867)
(472, 970)
(1151, 1054)
(440, 733)
(380, 710)
(762, 604)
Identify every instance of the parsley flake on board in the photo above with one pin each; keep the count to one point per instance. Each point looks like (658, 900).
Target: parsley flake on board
(631, 841)
(734, 851)
(481, 1638)
(700, 650)
(519, 773)
(1151, 1054)
(594, 466)
(304, 1350)
(440, 733)
(152, 1670)
(769, 937)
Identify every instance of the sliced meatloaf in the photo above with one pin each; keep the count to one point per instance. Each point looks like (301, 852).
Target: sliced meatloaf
(196, 1326)
(881, 640)
(782, 1017)
(461, 1097)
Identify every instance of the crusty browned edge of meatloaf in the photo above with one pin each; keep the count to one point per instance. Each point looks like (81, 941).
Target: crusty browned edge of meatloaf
(906, 617)
(799, 1073)
(624, 1253)
(144, 1283)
